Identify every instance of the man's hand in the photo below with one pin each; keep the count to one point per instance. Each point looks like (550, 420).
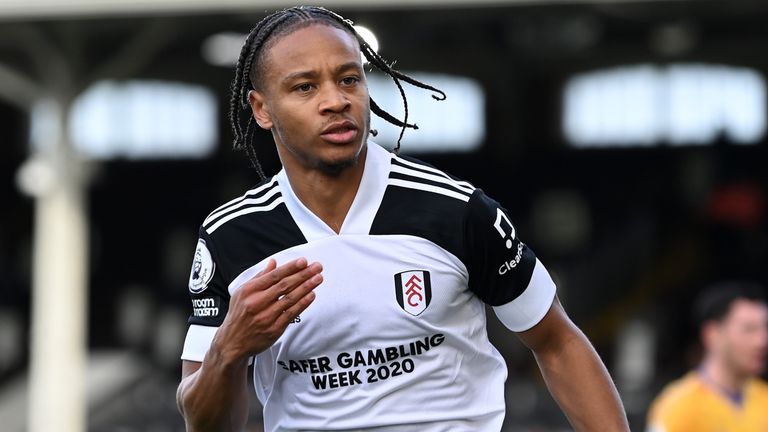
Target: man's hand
(262, 308)
(213, 395)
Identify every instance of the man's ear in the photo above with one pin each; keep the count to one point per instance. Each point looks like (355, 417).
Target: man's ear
(709, 334)
(260, 109)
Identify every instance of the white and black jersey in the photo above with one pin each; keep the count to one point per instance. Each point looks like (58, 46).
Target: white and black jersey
(396, 336)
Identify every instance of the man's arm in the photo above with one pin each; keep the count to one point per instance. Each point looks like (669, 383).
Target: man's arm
(574, 373)
(213, 395)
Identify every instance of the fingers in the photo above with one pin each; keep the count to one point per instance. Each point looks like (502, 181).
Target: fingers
(287, 284)
(271, 264)
(272, 274)
(278, 294)
(294, 303)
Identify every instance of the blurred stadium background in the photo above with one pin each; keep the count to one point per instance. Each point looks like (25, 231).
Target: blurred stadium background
(626, 138)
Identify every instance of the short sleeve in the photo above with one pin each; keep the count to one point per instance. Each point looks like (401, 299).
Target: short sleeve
(210, 299)
(503, 271)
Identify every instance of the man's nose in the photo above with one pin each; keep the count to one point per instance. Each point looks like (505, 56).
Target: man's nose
(334, 100)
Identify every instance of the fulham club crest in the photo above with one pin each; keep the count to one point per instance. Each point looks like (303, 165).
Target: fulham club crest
(413, 291)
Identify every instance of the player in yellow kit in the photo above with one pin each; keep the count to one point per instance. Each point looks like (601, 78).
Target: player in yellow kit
(725, 393)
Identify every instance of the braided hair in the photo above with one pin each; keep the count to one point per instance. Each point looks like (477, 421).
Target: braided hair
(250, 66)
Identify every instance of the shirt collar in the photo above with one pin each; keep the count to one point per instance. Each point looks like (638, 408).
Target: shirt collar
(364, 207)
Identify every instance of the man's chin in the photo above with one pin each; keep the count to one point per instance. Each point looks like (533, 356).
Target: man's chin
(754, 369)
(336, 167)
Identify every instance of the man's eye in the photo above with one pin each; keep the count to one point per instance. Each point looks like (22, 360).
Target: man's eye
(350, 80)
(303, 87)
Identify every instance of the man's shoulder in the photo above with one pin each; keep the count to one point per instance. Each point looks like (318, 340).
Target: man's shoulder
(414, 175)
(255, 224)
(760, 388)
(250, 228)
(260, 201)
(676, 405)
(683, 392)
(429, 194)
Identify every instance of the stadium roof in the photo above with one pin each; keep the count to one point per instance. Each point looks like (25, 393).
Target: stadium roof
(45, 9)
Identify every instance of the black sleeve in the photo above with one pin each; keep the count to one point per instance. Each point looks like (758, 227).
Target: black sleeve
(207, 284)
(499, 264)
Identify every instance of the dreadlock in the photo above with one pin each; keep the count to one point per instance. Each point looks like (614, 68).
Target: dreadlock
(250, 64)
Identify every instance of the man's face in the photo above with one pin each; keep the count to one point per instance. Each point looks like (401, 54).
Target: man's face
(742, 337)
(315, 99)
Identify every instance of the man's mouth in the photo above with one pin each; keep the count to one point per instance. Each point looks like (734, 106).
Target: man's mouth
(340, 132)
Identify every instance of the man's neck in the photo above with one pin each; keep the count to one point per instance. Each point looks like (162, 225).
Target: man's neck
(328, 196)
(717, 372)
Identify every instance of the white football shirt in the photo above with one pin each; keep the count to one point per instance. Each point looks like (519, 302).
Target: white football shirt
(396, 337)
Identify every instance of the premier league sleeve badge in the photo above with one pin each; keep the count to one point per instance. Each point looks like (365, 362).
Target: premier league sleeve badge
(203, 268)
